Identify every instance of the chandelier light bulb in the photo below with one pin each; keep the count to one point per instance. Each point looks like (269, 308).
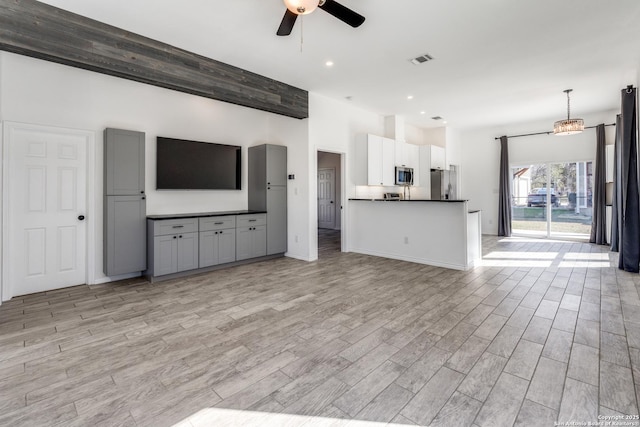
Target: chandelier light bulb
(568, 126)
(301, 7)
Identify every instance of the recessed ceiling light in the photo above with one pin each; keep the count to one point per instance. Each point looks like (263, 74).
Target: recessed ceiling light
(445, 122)
(329, 64)
(410, 97)
(423, 112)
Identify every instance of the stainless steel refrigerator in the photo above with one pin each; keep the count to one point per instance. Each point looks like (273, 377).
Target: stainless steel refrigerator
(444, 184)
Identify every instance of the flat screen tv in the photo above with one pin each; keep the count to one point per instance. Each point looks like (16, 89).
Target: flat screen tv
(194, 165)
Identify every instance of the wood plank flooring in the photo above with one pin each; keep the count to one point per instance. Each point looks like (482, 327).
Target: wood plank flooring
(542, 331)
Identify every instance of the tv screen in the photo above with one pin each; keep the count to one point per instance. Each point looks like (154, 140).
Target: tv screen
(194, 165)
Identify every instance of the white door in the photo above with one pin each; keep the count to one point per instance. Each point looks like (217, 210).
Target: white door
(45, 205)
(326, 198)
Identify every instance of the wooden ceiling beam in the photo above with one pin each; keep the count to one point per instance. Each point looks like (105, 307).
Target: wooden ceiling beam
(35, 29)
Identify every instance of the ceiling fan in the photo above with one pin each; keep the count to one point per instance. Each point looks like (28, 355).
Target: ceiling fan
(304, 7)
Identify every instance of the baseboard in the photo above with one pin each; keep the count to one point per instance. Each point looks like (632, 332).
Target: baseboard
(108, 279)
(299, 257)
(451, 266)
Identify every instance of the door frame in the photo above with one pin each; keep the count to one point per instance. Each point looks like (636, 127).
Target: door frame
(334, 192)
(344, 212)
(7, 127)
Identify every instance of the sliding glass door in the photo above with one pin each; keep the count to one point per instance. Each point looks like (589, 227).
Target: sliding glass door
(553, 199)
(529, 213)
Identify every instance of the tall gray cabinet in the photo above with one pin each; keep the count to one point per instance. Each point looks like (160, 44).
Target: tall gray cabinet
(125, 249)
(268, 192)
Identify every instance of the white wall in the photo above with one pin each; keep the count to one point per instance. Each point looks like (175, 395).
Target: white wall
(39, 92)
(413, 134)
(295, 135)
(332, 160)
(333, 126)
(481, 157)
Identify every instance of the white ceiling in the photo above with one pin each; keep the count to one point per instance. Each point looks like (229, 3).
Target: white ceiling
(496, 61)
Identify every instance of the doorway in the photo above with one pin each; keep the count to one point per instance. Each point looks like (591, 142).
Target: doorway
(329, 179)
(44, 208)
(553, 200)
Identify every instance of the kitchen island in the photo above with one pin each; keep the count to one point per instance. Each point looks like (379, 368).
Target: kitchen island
(442, 233)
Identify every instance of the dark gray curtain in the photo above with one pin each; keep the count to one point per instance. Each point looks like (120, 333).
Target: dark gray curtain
(629, 245)
(504, 198)
(616, 214)
(599, 224)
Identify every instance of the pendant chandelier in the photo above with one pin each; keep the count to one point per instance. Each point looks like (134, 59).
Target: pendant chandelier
(568, 126)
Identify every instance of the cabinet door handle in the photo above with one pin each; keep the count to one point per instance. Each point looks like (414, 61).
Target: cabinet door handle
(142, 192)
(218, 223)
(174, 237)
(180, 237)
(143, 198)
(252, 220)
(178, 226)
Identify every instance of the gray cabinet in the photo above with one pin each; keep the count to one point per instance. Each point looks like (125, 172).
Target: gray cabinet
(251, 237)
(276, 219)
(267, 190)
(124, 238)
(165, 255)
(203, 243)
(187, 251)
(173, 246)
(217, 240)
(123, 162)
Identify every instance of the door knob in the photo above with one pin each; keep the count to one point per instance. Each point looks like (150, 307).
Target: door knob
(331, 201)
(81, 217)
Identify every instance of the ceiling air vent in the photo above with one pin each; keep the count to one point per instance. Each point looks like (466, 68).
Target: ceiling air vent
(421, 59)
(436, 118)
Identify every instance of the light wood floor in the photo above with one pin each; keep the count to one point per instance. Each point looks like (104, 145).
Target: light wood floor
(542, 331)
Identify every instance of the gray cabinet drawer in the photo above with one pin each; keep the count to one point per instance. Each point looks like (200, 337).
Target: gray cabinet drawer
(217, 223)
(251, 220)
(173, 226)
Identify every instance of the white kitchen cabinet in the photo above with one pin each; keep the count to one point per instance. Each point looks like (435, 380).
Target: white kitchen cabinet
(401, 153)
(437, 157)
(609, 155)
(408, 155)
(424, 173)
(376, 161)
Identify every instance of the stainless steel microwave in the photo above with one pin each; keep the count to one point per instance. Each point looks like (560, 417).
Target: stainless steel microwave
(404, 176)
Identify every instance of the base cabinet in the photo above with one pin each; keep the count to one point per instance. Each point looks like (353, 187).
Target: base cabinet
(125, 243)
(187, 251)
(189, 244)
(217, 247)
(175, 253)
(251, 242)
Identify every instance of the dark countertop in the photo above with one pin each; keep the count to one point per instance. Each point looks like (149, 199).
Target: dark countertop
(203, 214)
(413, 200)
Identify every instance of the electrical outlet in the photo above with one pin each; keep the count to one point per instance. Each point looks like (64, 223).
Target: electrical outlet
(406, 240)
(490, 222)
(296, 238)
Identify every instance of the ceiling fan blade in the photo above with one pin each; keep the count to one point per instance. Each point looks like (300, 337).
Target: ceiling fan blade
(342, 13)
(286, 25)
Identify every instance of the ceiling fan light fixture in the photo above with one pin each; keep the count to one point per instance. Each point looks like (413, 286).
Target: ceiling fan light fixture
(568, 126)
(301, 7)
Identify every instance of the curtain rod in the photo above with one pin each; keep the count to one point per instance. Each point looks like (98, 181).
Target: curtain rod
(547, 133)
